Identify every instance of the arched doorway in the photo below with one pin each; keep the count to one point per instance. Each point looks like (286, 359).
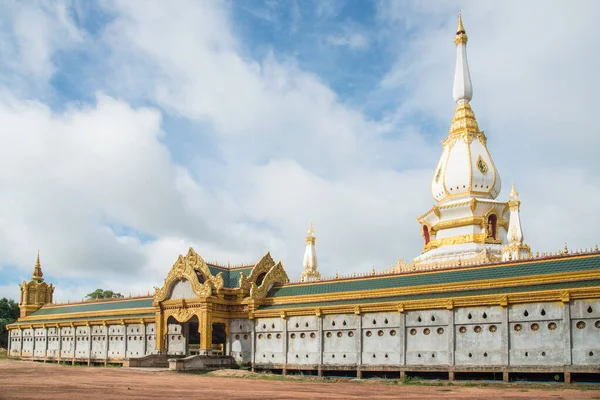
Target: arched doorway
(193, 335)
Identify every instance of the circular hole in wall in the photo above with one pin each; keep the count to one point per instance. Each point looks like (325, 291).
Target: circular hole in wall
(591, 353)
(535, 327)
(373, 355)
(580, 325)
(328, 334)
(419, 355)
(339, 334)
(237, 337)
(526, 354)
(413, 332)
(462, 329)
(350, 334)
(597, 324)
(260, 336)
(432, 355)
(302, 335)
(552, 326)
(470, 355)
(518, 327)
(269, 336)
(392, 333)
(477, 329)
(426, 331)
(369, 333)
(379, 333)
(245, 337)
(344, 356)
(440, 331)
(278, 336)
(493, 328)
(543, 353)
(312, 335)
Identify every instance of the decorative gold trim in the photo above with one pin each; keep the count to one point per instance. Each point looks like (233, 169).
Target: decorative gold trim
(439, 288)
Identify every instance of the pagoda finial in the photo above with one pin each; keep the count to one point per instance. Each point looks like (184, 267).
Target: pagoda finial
(513, 192)
(310, 272)
(461, 34)
(463, 89)
(37, 269)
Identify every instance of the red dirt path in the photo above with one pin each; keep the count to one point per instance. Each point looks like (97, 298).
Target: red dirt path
(30, 380)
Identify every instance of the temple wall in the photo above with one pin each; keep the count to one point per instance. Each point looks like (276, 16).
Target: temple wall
(521, 335)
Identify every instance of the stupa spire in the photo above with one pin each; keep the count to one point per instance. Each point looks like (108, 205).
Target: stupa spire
(463, 89)
(310, 272)
(37, 270)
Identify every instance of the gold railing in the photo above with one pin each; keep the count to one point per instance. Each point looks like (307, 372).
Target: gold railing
(218, 349)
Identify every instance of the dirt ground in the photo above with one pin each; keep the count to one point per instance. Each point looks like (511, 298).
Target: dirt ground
(30, 380)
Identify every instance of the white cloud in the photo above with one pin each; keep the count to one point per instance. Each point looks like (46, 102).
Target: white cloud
(348, 38)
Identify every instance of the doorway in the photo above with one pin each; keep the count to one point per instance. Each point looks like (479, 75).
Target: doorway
(192, 335)
(219, 338)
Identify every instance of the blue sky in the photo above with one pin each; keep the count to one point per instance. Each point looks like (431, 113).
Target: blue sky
(133, 130)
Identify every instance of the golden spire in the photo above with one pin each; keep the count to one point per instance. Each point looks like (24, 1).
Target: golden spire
(461, 34)
(37, 270)
(310, 237)
(513, 192)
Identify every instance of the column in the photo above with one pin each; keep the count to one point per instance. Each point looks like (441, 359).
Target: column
(125, 340)
(59, 331)
(568, 345)
(402, 331)
(206, 335)
(253, 342)
(9, 345)
(89, 343)
(21, 342)
(105, 343)
(359, 347)
(159, 332)
(505, 337)
(284, 335)
(45, 342)
(73, 344)
(451, 344)
(320, 344)
(145, 338)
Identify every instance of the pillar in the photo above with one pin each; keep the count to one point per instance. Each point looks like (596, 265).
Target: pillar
(402, 334)
(451, 342)
(567, 377)
(159, 323)
(20, 342)
(205, 329)
(284, 335)
(253, 343)
(45, 343)
(145, 338)
(89, 344)
(568, 345)
(59, 331)
(505, 376)
(505, 338)
(105, 344)
(74, 344)
(359, 347)
(320, 344)
(125, 340)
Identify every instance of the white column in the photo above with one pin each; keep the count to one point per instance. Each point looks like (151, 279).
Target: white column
(320, 339)
(145, 338)
(125, 341)
(568, 345)
(505, 337)
(59, 341)
(451, 344)
(402, 331)
(105, 343)
(284, 336)
(21, 340)
(253, 338)
(359, 341)
(46, 342)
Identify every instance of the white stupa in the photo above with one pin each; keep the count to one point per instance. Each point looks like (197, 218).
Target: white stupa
(467, 225)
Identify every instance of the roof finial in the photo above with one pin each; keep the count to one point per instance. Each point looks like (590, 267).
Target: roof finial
(310, 230)
(461, 28)
(37, 269)
(513, 192)
(461, 34)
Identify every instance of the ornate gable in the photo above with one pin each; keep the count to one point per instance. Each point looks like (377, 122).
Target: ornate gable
(185, 269)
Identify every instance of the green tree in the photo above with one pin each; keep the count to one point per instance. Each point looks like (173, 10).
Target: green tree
(9, 312)
(103, 294)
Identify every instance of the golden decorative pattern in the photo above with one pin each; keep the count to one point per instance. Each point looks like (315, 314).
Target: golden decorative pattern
(481, 165)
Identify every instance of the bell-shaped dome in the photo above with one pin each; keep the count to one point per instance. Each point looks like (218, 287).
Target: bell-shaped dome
(465, 168)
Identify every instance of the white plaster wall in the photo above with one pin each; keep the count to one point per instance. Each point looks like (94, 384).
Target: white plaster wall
(241, 339)
(536, 333)
(98, 346)
(182, 289)
(175, 340)
(585, 332)
(269, 341)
